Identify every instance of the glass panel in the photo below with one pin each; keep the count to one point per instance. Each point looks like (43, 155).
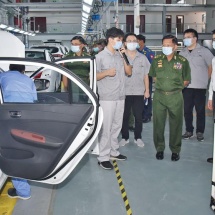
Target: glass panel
(35, 55)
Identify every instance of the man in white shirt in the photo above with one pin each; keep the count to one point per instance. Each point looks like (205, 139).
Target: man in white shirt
(211, 97)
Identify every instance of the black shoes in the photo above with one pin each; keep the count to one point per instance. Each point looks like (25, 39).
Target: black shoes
(13, 194)
(119, 157)
(210, 160)
(187, 135)
(175, 157)
(159, 155)
(106, 165)
(200, 136)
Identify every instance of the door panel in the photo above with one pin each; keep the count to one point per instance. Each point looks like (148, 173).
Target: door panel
(40, 140)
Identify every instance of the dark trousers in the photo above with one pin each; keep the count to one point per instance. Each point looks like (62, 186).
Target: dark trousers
(136, 104)
(197, 98)
(147, 110)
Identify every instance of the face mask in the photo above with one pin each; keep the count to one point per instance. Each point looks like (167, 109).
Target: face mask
(75, 48)
(96, 49)
(132, 46)
(167, 50)
(187, 41)
(117, 45)
(213, 44)
(138, 46)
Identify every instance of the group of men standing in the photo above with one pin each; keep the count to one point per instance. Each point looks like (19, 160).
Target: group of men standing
(180, 80)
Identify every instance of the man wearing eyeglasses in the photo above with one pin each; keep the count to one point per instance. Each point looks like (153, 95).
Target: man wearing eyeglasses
(200, 60)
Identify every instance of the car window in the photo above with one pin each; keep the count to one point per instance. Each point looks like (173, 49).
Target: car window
(52, 49)
(35, 55)
(62, 50)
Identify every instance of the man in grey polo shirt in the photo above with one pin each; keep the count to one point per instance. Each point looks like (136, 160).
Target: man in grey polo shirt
(111, 72)
(200, 60)
(136, 89)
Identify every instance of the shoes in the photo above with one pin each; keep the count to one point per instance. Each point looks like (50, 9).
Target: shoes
(106, 165)
(119, 157)
(123, 142)
(131, 128)
(210, 160)
(12, 194)
(200, 136)
(175, 157)
(139, 142)
(159, 155)
(146, 120)
(187, 135)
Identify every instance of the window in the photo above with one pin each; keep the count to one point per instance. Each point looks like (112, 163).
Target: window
(168, 1)
(180, 23)
(130, 23)
(38, 24)
(168, 24)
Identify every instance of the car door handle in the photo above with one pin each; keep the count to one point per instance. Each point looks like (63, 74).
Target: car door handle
(15, 114)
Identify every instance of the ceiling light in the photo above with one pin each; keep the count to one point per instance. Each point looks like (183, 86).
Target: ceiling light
(90, 2)
(3, 26)
(16, 30)
(86, 8)
(21, 32)
(85, 15)
(26, 33)
(33, 34)
(10, 28)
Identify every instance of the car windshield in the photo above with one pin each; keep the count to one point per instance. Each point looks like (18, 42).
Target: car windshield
(35, 55)
(50, 48)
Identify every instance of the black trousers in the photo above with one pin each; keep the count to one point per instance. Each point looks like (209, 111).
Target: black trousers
(197, 98)
(136, 104)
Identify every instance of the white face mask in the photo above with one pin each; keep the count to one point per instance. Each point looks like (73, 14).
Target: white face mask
(132, 46)
(75, 48)
(213, 44)
(187, 41)
(167, 50)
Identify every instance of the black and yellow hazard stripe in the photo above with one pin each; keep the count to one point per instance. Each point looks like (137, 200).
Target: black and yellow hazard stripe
(122, 188)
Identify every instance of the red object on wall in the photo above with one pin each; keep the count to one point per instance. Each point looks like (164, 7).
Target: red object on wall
(39, 23)
(17, 22)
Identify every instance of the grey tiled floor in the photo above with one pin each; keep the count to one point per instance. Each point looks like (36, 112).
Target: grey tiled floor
(153, 187)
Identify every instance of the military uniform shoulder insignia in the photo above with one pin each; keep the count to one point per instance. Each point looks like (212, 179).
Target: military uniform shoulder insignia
(182, 58)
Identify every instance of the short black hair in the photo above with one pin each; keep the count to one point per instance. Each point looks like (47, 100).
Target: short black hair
(81, 39)
(17, 67)
(141, 37)
(114, 33)
(213, 32)
(129, 34)
(102, 42)
(170, 36)
(191, 30)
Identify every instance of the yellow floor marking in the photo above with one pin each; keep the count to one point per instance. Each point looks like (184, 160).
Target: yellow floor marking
(6, 204)
(122, 189)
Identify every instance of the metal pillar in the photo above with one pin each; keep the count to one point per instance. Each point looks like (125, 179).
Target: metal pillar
(137, 17)
(164, 21)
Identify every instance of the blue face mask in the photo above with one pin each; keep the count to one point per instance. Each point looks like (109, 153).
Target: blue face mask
(138, 46)
(117, 45)
(213, 44)
(75, 48)
(167, 50)
(96, 49)
(187, 41)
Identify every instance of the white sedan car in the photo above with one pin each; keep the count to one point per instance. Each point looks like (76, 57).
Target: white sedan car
(51, 80)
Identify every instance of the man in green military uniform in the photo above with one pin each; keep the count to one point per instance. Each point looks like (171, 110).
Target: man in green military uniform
(171, 73)
(81, 69)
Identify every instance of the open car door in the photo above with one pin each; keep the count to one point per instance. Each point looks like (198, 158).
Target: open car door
(44, 141)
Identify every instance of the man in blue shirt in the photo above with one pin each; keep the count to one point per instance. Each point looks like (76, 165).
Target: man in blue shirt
(147, 110)
(17, 87)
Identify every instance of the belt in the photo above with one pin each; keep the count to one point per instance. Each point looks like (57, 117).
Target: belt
(168, 93)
